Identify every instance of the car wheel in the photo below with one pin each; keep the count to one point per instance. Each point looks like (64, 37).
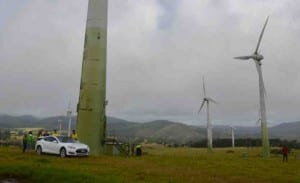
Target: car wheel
(39, 150)
(63, 153)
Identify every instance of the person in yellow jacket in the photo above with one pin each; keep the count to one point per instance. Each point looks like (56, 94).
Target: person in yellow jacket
(74, 135)
(55, 134)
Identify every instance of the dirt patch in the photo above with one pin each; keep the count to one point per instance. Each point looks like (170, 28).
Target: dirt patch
(9, 180)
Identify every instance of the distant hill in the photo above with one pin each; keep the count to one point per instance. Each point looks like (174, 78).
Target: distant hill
(7, 121)
(159, 130)
(26, 121)
(289, 131)
(167, 131)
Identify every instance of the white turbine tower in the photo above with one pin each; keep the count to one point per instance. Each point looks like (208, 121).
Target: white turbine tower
(232, 135)
(69, 114)
(207, 100)
(263, 117)
(59, 124)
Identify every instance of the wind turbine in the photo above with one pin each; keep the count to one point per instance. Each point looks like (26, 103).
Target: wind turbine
(232, 135)
(207, 100)
(69, 114)
(262, 92)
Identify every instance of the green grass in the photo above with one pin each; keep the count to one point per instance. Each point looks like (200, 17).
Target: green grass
(157, 165)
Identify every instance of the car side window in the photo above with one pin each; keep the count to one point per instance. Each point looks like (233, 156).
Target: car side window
(50, 139)
(47, 139)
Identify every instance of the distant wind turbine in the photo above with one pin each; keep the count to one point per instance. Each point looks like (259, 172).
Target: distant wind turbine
(232, 135)
(69, 114)
(207, 100)
(262, 92)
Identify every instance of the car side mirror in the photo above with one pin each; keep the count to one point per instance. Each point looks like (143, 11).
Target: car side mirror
(54, 141)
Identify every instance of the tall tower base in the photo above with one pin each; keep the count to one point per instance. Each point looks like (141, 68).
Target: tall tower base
(91, 119)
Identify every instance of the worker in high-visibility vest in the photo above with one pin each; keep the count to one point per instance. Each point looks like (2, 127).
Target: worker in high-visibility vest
(74, 135)
(55, 134)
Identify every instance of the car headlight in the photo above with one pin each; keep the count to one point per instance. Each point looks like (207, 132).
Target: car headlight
(71, 147)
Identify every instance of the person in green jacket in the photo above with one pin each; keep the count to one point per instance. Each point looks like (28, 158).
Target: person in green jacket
(29, 140)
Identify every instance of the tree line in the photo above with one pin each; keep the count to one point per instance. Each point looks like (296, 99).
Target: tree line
(4, 134)
(247, 142)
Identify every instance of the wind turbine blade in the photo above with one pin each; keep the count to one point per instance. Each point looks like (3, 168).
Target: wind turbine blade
(232, 127)
(69, 105)
(204, 86)
(212, 100)
(261, 35)
(201, 106)
(243, 57)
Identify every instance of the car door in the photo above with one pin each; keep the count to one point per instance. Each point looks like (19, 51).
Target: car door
(53, 145)
(46, 144)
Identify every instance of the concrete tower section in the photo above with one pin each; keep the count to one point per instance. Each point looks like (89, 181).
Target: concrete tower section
(91, 119)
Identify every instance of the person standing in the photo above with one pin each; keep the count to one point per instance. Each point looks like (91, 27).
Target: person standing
(74, 135)
(40, 133)
(138, 150)
(46, 134)
(24, 142)
(55, 134)
(284, 151)
(29, 140)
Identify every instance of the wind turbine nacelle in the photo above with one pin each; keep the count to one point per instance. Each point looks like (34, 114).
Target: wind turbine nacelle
(257, 57)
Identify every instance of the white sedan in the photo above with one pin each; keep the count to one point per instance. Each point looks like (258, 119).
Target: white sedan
(61, 145)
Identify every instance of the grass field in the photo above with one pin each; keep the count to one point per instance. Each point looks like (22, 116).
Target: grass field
(159, 164)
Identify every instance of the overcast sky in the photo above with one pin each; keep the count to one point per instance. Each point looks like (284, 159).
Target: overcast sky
(158, 51)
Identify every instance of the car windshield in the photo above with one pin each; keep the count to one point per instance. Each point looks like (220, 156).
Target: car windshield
(66, 139)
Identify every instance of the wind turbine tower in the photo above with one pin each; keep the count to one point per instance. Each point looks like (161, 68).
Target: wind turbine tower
(59, 124)
(232, 135)
(69, 114)
(257, 58)
(91, 118)
(207, 100)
